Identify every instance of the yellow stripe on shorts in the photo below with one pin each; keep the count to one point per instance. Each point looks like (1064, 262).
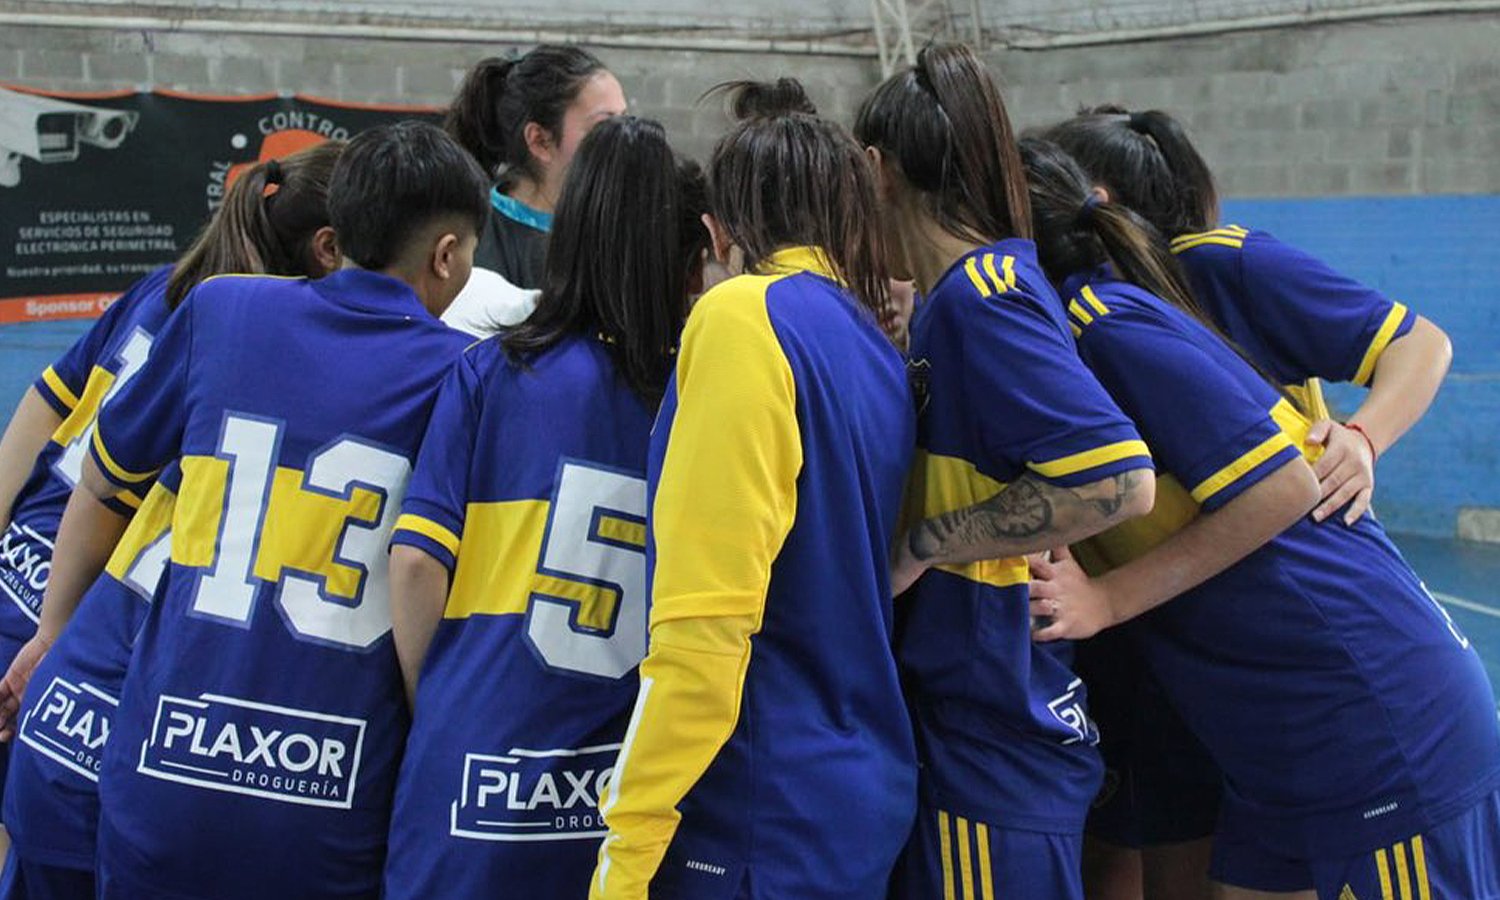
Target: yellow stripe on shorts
(986, 877)
(965, 860)
(945, 852)
(1419, 862)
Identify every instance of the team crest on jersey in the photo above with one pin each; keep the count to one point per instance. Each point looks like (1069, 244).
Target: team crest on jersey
(70, 726)
(919, 373)
(533, 795)
(25, 566)
(1069, 709)
(244, 747)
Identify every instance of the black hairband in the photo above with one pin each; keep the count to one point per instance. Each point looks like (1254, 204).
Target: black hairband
(1086, 211)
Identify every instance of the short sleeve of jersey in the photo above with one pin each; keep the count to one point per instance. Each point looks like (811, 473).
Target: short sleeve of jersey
(1325, 324)
(140, 428)
(1038, 405)
(1204, 427)
(62, 384)
(432, 514)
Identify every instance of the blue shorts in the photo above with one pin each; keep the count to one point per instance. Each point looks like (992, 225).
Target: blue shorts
(949, 856)
(23, 880)
(1160, 784)
(1457, 859)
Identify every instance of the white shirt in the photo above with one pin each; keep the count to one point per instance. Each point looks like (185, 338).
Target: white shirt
(488, 303)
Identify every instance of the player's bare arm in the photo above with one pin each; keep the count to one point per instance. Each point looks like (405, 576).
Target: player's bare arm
(1028, 516)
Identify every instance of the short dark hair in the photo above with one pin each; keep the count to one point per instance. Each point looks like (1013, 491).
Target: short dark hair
(394, 180)
(1147, 162)
(615, 258)
(943, 121)
(499, 96)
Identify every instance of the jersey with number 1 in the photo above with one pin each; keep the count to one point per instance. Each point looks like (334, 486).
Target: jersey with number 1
(261, 722)
(106, 357)
(531, 489)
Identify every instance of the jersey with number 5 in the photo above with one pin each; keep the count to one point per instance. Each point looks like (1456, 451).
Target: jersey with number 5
(97, 365)
(531, 489)
(260, 726)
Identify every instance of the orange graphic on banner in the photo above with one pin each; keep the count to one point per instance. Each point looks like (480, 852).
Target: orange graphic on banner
(279, 145)
(54, 307)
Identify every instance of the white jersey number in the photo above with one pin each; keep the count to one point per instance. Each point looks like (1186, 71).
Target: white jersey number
(132, 356)
(228, 591)
(576, 550)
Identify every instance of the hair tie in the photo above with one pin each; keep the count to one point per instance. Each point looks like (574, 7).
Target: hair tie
(274, 177)
(1086, 211)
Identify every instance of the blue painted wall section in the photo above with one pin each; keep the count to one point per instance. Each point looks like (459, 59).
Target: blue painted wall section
(1436, 254)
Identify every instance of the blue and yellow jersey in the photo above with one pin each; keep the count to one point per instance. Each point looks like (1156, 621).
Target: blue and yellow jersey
(769, 741)
(263, 716)
(51, 806)
(1002, 722)
(1345, 708)
(107, 356)
(1296, 317)
(531, 489)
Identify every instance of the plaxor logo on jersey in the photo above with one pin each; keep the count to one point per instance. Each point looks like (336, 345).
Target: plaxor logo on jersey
(25, 567)
(244, 747)
(533, 795)
(70, 726)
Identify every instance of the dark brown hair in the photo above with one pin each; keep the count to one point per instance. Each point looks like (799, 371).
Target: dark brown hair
(499, 96)
(944, 123)
(1078, 231)
(784, 177)
(628, 285)
(265, 224)
(1147, 162)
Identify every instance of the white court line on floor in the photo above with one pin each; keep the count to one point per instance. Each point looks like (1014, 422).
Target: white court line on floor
(1470, 605)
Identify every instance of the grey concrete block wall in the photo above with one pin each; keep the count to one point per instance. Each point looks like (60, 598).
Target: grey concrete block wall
(1396, 106)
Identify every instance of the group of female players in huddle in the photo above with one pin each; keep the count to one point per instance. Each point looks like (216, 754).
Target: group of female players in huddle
(343, 603)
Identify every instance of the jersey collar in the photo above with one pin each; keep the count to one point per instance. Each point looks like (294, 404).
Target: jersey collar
(791, 260)
(367, 290)
(516, 211)
(1074, 283)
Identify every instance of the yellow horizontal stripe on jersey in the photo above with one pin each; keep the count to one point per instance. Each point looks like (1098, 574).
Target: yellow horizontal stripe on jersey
(1093, 300)
(146, 527)
(115, 468)
(986, 874)
(199, 510)
(1240, 467)
(1076, 310)
(971, 268)
(1383, 869)
(59, 388)
(505, 542)
(1377, 346)
(1419, 862)
(945, 852)
(941, 484)
(86, 408)
(1134, 538)
(1231, 232)
(302, 530)
(1089, 459)
(433, 531)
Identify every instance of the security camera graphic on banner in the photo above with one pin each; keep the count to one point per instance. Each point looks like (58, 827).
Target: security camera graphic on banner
(48, 130)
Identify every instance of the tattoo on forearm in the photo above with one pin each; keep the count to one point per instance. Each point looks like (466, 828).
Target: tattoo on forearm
(1027, 509)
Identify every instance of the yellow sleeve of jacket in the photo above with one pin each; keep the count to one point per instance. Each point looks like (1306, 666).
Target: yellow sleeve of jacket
(725, 501)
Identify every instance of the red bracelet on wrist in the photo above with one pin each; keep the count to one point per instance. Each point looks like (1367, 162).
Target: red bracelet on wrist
(1354, 426)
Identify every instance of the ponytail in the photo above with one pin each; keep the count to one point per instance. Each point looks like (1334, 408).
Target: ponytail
(498, 97)
(944, 122)
(1147, 162)
(1078, 231)
(265, 223)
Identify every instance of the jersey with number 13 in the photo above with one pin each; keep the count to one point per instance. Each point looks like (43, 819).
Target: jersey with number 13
(261, 722)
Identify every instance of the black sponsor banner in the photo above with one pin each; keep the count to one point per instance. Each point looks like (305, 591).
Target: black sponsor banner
(98, 189)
